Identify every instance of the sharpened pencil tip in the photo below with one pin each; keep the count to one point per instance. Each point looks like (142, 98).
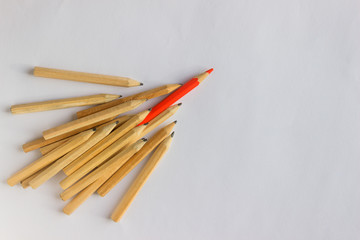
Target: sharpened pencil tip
(172, 134)
(175, 121)
(144, 139)
(149, 109)
(141, 84)
(146, 123)
(210, 70)
(94, 129)
(179, 104)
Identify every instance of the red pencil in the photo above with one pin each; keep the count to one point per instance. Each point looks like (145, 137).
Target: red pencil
(179, 93)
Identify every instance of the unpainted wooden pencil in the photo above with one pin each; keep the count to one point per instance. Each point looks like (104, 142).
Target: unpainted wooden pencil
(140, 180)
(92, 119)
(48, 148)
(103, 144)
(85, 77)
(49, 158)
(62, 103)
(62, 162)
(149, 146)
(102, 157)
(110, 166)
(41, 142)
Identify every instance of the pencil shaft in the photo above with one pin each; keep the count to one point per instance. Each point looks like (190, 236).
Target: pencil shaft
(48, 148)
(85, 77)
(41, 142)
(152, 93)
(149, 146)
(59, 164)
(102, 157)
(140, 179)
(110, 166)
(62, 103)
(49, 158)
(92, 119)
(106, 142)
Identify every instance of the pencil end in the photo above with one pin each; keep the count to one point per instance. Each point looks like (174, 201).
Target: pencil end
(179, 104)
(141, 84)
(175, 121)
(144, 139)
(149, 109)
(172, 134)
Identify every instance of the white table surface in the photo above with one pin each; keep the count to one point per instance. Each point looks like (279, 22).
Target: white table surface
(266, 148)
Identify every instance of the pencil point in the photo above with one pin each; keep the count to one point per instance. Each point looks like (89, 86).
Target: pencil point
(146, 123)
(149, 109)
(210, 70)
(175, 121)
(172, 134)
(141, 84)
(179, 104)
(94, 129)
(144, 139)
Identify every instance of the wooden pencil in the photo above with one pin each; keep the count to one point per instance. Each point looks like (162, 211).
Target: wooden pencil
(59, 164)
(92, 119)
(25, 183)
(133, 134)
(81, 197)
(85, 77)
(149, 146)
(140, 180)
(176, 95)
(103, 144)
(41, 142)
(149, 94)
(48, 148)
(49, 158)
(62, 103)
(110, 166)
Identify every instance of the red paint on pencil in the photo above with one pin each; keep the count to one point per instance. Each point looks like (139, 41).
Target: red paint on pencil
(179, 93)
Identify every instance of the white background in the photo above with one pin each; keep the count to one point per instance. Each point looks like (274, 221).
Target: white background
(266, 148)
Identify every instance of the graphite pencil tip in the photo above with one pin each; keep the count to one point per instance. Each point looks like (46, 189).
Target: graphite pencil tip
(141, 84)
(144, 139)
(175, 121)
(172, 134)
(146, 123)
(179, 104)
(94, 129)
(149, 109)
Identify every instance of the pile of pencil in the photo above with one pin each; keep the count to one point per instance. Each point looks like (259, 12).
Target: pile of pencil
(104, 143)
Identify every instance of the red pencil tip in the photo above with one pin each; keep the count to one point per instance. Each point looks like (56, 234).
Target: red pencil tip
(210, 70)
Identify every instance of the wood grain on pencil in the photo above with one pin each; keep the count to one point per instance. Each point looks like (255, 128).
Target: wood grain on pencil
(103, 144)
(149, 146)
(92, 119)
(152, 93)
(62, 103)
(110, 166)
(62, 162)
(49, 158)
(41, 142)
(141, 179)
(85, 77)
